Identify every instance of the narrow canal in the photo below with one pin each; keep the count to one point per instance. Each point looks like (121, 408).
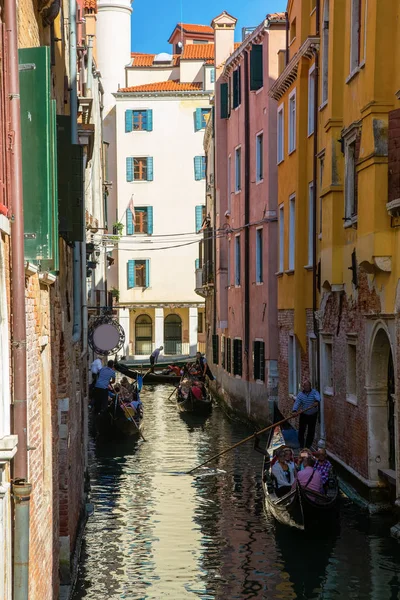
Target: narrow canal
(158, 534)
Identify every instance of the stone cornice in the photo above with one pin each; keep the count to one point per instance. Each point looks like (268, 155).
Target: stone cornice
(289, 75)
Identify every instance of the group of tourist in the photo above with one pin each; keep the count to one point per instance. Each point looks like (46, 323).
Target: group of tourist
(311, 472)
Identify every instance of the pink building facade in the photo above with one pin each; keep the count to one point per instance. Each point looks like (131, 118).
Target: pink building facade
(242, 308)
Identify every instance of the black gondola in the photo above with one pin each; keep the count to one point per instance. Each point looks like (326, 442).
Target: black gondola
(118, 421)
(148, 378)
(188, 402)
(300, 508)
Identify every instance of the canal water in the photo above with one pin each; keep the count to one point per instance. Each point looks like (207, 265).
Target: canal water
(158, 533)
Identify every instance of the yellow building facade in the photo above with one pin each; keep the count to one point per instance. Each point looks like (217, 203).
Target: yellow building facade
(339, 205)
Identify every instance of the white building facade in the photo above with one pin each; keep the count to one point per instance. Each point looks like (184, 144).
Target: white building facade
(156, 201)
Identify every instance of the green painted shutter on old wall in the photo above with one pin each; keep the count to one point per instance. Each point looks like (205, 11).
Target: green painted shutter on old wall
(224, 98)
(70, 183)
(256, 67)
(38, 170)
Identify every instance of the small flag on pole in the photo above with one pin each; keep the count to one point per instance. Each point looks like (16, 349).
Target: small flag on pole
(132, 209)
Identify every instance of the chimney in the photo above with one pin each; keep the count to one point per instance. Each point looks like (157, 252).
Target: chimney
(224, 39)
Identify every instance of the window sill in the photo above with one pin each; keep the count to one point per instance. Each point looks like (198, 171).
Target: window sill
(310, 133)
(289, 272)
(280, 161)
(279, 274)
(237, 192)
(292, 41)
(320, 236)
(353, 75)
(292, 396)
(291, 151)
(351, 399)
(350, 222)
(237, 287)
(259, 283)
(259, 90)
(308, 267)
(328, 391)
(362, 64)
(313, 11)
(258, 181)
(259, 382)
(237, 376)
(323, 105)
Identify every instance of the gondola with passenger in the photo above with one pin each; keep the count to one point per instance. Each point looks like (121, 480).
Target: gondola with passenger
(124, 414)
(193, 396)
(301, 507)
(167, 375)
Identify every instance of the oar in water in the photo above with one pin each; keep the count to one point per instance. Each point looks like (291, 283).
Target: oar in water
(132, 420)
(251, 437)
(173, 392)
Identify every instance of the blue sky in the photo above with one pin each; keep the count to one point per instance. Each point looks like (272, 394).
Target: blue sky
(153, 20)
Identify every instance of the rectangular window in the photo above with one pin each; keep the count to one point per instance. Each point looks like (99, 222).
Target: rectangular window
(139, 168)
(237, 357)
(281, 264)
(200, 322)
(325, 52)
(294, 365)
(350, 180)
(312, 352)
(237, 91)
(293, 30)
(355, 35)
(229, 263)
(199, 168)
(310, 224)
(138, 120)
(256, 67)
(229, 355)
(138, 273)
(237, 260)
(351, 376)
(259, 157)
(141, 221)
(259, 361)
(292, 232)
(259, 255)
(238, 169)
(224, 101)
(311, 99)
(215, 348)
(212, 75)
(222, 350)
(321, 180)
(292, 121)
(281, 134)
(201, 118)
(326, 366)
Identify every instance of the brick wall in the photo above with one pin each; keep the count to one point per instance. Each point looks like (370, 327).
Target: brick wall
(346, 423)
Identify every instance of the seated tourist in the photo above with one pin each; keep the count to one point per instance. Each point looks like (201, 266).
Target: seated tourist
(304, 455)
(289, 457)
(309, 478)
(284, 474)
(323, 465)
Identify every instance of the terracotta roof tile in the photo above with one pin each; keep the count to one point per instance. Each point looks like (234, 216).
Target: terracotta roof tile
(279, 16)
(193, 28)
(140, 59)
(164, 86)
(90, 6)
(198, 52)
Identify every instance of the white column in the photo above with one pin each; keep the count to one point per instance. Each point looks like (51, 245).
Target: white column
(193, 321)
(159, 327)
(124, 320)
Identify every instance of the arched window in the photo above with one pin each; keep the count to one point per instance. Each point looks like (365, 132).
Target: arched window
(143, 335)
(173, 334)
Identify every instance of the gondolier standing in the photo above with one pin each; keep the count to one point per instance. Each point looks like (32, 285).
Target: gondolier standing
(307, 420)
(203, 366)
(154, 358)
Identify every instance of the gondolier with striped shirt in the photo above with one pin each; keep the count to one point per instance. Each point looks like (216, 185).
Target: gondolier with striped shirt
(308, 419)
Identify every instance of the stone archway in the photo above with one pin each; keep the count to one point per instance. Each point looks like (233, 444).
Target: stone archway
(381, 405)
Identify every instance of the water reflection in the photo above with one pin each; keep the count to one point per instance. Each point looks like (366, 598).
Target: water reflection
(157, 533)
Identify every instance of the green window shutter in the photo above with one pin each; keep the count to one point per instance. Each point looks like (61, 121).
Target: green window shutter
(198, 120)
(129, 168)
(215, 344)
(54, 157)
(77, 193)
(150, 168)
(38, 170)
(198, 168)
(256, 67)
(128, 121)
(131, 274)
(129, 222)
(150, 220)
(149, 119)
(224, 95)
(199, 217)
(147, 273)
(237, 92)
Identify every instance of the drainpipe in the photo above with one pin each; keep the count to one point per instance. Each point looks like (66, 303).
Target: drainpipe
(287, 37)
(20, 488)
(315, 196)
(247, 215)
(84, 282)
(76, 272)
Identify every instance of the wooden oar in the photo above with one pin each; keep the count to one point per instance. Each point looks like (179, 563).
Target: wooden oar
(251, 437)
(173, 392)
(133, 421)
